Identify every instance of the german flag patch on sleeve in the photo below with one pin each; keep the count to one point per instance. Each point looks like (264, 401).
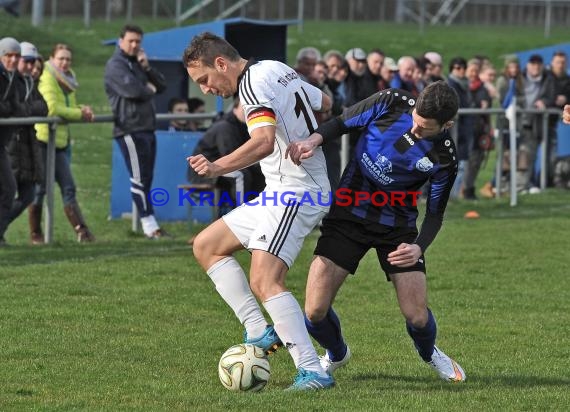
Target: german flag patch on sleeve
(262, 116)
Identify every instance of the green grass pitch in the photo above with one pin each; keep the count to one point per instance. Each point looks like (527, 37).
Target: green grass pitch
(128, 324)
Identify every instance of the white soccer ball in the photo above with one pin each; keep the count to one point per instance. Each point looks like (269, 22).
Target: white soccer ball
(244, 367)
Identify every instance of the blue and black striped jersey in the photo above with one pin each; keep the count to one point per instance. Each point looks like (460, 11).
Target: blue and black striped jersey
(388, 158)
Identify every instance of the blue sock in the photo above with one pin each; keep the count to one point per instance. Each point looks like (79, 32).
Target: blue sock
(327, 333)
(424, 338)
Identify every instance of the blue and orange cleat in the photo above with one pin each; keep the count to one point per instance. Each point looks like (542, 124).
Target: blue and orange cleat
(269, 341)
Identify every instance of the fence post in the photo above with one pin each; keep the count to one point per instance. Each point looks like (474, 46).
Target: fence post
(87, 13)
(178, 11)
(134, 218)
(544, 152)
(513, 151)
(154, 9)
(129, 11)
(50, 178)
(108, 11)
(53, 11)
(499, 162)
(37, 12)
(300, 13)
(344, 151)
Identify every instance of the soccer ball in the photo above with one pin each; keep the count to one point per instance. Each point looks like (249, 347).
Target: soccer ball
(244, 367)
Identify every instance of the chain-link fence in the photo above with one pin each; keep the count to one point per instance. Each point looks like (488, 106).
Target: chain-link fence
(547, 13)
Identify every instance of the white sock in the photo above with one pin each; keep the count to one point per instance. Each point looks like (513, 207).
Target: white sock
(289, 323)
(232, 285)
(149, 225)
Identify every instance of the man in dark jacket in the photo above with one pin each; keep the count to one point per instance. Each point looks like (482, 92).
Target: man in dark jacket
(130, 84)
(9, 107)
(22, 145)
(539, 93)
(459, 82)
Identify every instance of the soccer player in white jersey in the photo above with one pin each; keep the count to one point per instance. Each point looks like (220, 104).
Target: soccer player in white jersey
(279, 110)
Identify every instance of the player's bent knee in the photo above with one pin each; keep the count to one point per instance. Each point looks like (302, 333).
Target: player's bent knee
(202, 250)
(315, 313)
(417, 318)
(262, 291)
(264, 288)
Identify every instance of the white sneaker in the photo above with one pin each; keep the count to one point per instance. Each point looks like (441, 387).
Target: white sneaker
(446, 368)
(531, 191)
(329, 366)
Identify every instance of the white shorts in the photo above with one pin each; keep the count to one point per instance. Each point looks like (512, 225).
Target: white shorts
(279, 229)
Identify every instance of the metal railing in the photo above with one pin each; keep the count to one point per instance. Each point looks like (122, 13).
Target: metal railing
(54, 121)
(50, 157)
(513, 151)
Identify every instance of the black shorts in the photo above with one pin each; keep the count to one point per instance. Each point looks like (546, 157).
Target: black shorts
(345, 242)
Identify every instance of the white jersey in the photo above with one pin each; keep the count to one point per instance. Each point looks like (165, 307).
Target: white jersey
(272, 94)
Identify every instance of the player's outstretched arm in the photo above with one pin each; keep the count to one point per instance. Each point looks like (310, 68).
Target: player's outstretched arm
(303, 149)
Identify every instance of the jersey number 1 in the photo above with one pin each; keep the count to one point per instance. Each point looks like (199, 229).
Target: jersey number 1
(300, 106)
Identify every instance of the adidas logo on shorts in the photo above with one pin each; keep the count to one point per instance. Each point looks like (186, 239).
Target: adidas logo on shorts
(262, 238)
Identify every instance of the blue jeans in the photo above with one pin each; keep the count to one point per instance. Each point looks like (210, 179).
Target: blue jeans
(63, 177)
(456, 189)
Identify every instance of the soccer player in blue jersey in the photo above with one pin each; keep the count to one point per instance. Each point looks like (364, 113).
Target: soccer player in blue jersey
(403, 144)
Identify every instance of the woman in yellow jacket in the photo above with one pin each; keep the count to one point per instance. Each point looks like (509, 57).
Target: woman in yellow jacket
(57, 86)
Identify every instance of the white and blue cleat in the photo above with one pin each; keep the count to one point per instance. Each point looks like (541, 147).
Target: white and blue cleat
(310, 381)
(269, 341)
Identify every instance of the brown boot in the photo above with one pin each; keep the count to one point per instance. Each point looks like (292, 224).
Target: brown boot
(35, 221)
(487, 191)
(75, 217)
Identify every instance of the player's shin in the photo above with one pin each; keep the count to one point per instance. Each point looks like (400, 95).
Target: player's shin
(424, 338)
(288, 322)
(232, 285)
(327, 333)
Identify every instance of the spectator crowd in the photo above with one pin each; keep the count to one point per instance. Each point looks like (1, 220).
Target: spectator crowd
(32, 86)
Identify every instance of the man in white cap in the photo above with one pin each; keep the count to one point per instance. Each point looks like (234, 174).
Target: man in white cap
(356, 59)
(22, 147)
(9, 107)
(387, 73)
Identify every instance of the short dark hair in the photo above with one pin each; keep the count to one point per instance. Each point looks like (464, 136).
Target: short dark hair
(205, 47)
(438, 101)
(174, 101)
(377, 51)
(132, 28)
(194, 103)
(422, 63)
(457, 61)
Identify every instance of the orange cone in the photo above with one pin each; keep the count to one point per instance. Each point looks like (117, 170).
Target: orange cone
(471, 214)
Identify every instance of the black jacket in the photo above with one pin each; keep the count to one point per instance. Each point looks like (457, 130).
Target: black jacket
(465, 133)
(128, 94)
(222, 138)
(23, 150)
(10, 103)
